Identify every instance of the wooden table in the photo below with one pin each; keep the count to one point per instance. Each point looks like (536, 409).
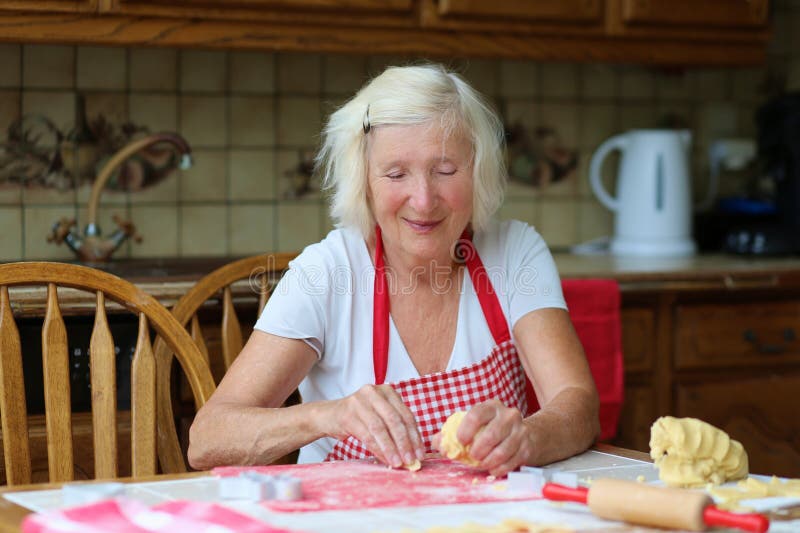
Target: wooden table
(202, 486)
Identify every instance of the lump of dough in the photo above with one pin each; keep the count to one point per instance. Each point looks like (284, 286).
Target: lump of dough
(691, 453)
(413, 466)
(451, 447)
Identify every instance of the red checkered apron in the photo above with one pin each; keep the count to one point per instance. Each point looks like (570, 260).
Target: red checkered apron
(434, 397)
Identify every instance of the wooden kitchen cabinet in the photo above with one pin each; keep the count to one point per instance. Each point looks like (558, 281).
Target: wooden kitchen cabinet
(727, 354)
(717, 32)
(67, 6)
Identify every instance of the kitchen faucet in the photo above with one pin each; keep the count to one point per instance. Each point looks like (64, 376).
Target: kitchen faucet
(92, 247)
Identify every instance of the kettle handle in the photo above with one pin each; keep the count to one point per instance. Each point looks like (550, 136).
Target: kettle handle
(618, 142)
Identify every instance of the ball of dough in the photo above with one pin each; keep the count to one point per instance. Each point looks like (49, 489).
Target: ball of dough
(450, 446)
(690, 453)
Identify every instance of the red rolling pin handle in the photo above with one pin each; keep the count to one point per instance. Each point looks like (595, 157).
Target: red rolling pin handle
(748, 522)
(712, 516)
(554, 491)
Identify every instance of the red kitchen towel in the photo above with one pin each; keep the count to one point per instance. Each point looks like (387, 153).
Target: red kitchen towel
(131, 516)
(594, 307)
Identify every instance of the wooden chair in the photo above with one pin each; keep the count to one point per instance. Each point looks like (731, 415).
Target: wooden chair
(56, 372)
(257, 277)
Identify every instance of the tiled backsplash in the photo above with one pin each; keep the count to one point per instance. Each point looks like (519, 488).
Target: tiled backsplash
(253, 117)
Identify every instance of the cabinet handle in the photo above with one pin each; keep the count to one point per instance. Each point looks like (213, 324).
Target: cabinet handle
(761, 347)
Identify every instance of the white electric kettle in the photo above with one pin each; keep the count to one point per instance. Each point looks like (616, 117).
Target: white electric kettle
(653, 205)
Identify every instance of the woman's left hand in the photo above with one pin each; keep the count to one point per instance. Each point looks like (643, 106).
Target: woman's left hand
(498, 437)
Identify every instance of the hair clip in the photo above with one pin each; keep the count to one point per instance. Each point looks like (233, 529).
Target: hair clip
(366, 123)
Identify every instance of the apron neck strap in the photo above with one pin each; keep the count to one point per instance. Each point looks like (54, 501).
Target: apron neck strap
(465, 250)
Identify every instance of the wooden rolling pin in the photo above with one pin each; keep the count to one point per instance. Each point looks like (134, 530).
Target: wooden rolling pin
(647, 505)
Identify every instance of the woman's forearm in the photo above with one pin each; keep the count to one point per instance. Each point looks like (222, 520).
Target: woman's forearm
(230, 434)
(567, 425)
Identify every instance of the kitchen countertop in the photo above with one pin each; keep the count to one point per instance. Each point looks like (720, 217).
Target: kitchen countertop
(169, 278)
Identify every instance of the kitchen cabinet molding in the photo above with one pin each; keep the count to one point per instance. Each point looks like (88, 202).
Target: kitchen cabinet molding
(665, 32)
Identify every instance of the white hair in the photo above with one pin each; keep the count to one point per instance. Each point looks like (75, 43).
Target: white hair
(410, 95)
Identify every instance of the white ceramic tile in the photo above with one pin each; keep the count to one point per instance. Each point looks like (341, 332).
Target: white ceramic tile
(252, 175)
(48, 66)
(10, 65)
(203, 120)
(158, 227)
(10, 102)
(636, 83)
(252, 229)
(525, 112)
(717, 120)
(38, 224)
(563, 119)
(113, 105)
(598, 82)
(711, 83)
(207, 178)
(252, 121)
(299, 73)
(635, 116)
(251, 72)
(747, 82)
(299, 224)
(163, 192)
(598, 122)
(559, 80)
(594, 220)
(10, 194)
(514, 209)
(153, 69)
(483, 75)
(299, 121)
(203, 71)
(291, 183)
(674, 85)
(102, 68)
(793, 75)
(204, 230)
(11, 236)
(558, 222)
(58, 106)
(518, 78)
(159, 112)
(38, 195)
(343, 74)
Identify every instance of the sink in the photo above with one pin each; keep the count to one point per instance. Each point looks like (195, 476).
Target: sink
(159, 268)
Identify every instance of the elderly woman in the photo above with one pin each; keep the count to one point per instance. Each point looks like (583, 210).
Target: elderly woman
(419, 304)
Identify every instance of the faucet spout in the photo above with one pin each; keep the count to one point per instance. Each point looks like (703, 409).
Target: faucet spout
(120, 157)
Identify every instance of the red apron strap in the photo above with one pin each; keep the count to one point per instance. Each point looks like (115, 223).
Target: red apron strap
(487, 297)
(380, 314)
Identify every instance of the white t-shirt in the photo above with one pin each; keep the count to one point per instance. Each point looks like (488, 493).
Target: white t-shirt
(326, 299)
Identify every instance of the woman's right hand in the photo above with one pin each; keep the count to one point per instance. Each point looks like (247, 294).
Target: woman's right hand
(377, 416)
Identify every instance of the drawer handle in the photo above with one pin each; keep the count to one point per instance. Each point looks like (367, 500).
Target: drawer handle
(788, 335)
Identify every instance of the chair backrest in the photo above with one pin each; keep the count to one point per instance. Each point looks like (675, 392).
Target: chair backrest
(260, 274)
(56, 372)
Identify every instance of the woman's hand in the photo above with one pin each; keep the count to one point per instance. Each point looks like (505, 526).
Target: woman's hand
(377, 416)
(497, 435)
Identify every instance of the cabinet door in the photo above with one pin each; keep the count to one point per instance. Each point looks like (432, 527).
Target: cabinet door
(759, 412)
(638, 414)
(756, 334)
(720, 13)
(638, 338)
(68, 6)
(351, 12)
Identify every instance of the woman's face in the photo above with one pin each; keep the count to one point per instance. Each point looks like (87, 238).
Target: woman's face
(420, 189)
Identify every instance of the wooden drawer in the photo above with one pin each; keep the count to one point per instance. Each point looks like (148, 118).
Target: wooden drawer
(737, 334)
(760, 412)
(638, 338)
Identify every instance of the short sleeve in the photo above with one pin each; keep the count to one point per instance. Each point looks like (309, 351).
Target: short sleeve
(533, 276)
(296, 308)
